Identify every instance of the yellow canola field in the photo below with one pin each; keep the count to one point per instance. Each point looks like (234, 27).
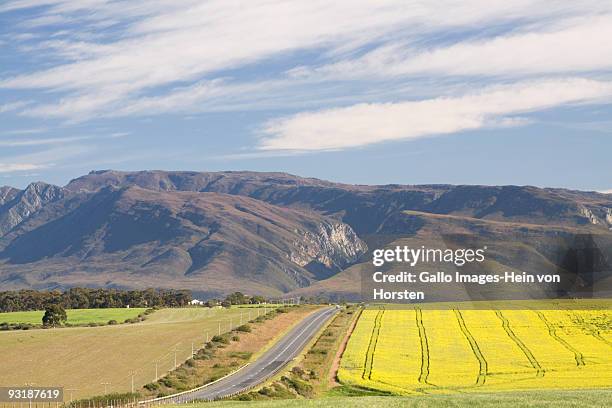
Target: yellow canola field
(444, 351)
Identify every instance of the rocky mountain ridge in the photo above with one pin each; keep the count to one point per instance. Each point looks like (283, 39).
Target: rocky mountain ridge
(268, 233)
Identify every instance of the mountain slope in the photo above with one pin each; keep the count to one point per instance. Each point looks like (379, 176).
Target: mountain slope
(366, 207)
(267, 232)
(210, 242)
(16, 206)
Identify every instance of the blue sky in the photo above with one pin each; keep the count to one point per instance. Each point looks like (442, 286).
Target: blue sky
(461, 92)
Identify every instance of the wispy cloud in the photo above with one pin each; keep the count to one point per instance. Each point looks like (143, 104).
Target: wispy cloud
(30, 131)
(41, 142)
(365, 124)
(42, 159)
(163, 43)
(16, 167)
(12, 106)
(576, 45)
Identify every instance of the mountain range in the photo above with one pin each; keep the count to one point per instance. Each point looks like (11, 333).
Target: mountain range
(275, 233)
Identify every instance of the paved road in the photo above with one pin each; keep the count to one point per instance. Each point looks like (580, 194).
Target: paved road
(268, 364)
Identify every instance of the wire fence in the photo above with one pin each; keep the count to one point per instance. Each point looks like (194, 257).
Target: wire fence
(152, 371)
(181, 351)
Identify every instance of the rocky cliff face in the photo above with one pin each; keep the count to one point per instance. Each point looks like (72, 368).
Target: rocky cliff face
(333, 247)
(17, 206)
(7, 194)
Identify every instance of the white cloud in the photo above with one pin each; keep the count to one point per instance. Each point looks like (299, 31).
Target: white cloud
(577, 45)
(12, 106)
(164, 42)
(56, 156)
(364, 124)
(41, 142)
(29, 131)
(15, 167)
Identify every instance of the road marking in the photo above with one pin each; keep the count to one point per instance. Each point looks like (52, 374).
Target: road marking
(217, 394)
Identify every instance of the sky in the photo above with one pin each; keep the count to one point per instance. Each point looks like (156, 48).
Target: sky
(366, 92)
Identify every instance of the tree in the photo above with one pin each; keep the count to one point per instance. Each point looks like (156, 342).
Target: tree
(258, 299)
(237, 298)
(55, 315)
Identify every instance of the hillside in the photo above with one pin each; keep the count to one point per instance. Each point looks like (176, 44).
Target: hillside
(133, 237)
(273, 233)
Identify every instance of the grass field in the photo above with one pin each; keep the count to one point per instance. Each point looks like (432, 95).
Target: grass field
(551, 399)
(82, 358)
(75, 316)
(414, 351)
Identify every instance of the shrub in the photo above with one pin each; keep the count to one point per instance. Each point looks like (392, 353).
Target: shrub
(245, 328)
(301, 387)
(112, 322)
(151, 386)
(243, 355)
(298, 371)
(235, 338)
(220, 339)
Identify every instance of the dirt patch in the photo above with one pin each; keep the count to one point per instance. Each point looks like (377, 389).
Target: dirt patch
(333, 372)
(309, 378)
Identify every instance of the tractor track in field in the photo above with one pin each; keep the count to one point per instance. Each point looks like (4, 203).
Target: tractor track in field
(552, 331)
(482, 372)
(424, 375)
(540, 371)
(369, 361)
(592, 330)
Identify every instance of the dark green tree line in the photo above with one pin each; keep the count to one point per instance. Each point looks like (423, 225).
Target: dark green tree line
(87, 298)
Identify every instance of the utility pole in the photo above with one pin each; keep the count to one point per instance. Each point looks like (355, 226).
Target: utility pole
(219, 327)
(175, 350)
(133, 373)
(241, 317)
(29, 385)
(71, 389)
(207, 337)
(105, 384)
(156, 364)
(192, 349)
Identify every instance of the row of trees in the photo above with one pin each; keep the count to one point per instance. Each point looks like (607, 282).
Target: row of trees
(239, 298)
(85, 298)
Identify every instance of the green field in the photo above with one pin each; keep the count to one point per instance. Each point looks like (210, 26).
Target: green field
(75, 316)
(563, 399)
(82, 358)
